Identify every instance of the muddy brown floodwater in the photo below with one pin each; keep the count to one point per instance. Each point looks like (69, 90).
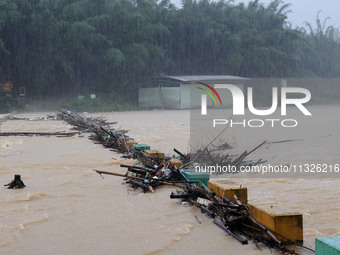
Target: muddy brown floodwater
(66, 208)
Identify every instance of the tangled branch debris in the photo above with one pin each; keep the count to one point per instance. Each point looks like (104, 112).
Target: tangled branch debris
(151, 172)
(234, 218)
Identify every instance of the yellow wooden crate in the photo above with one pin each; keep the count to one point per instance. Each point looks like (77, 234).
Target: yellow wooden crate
(154, 153)
(281, 220)
(228, 189)
(176, 162)
(131, 143)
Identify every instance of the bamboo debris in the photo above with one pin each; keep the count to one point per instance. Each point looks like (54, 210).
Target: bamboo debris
(235, 219)
(117, 140)
(218, 156)
(149, 181)
(153, 172)
(81, 123)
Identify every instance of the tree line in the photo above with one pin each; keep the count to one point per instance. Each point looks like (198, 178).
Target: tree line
(67, 47)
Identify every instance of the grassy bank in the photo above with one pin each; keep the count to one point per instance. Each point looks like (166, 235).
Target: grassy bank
(101, 102)
(9, 104)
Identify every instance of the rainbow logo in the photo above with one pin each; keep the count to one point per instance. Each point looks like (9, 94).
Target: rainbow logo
(209, 93)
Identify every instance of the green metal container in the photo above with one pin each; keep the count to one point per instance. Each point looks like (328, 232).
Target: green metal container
(327, 245)
(141, 147)
(197, 176)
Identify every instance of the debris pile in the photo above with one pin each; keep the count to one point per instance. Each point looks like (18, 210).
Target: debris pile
(154, 169)
(218, 155)
(153, 166)
(81, 123)
(234, 218)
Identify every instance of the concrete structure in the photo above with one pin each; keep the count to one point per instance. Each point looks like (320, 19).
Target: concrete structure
(180, 91)
(283, 221)
(154, 153)
(225, 188)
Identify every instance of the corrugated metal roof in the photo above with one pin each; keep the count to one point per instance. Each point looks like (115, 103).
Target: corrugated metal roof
(198, 78)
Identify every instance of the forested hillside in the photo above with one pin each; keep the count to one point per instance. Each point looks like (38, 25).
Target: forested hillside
(67, 47)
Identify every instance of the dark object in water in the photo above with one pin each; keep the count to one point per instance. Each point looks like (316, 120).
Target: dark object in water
(17, 183)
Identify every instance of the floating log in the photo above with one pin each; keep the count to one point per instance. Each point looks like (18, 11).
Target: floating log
(141, 179)
(39, 133)
(184, 195)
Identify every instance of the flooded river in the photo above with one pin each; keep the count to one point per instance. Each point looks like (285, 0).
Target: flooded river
(66, 208)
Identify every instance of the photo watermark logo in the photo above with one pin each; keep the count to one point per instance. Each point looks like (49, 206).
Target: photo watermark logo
(238, 107)
(265, 127)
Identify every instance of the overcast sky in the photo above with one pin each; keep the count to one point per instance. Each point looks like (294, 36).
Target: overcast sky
(306, 10)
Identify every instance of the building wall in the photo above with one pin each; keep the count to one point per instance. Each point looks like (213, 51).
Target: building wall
(185, 96)
(160, 97)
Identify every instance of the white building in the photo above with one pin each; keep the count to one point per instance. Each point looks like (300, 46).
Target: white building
(181, 91)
